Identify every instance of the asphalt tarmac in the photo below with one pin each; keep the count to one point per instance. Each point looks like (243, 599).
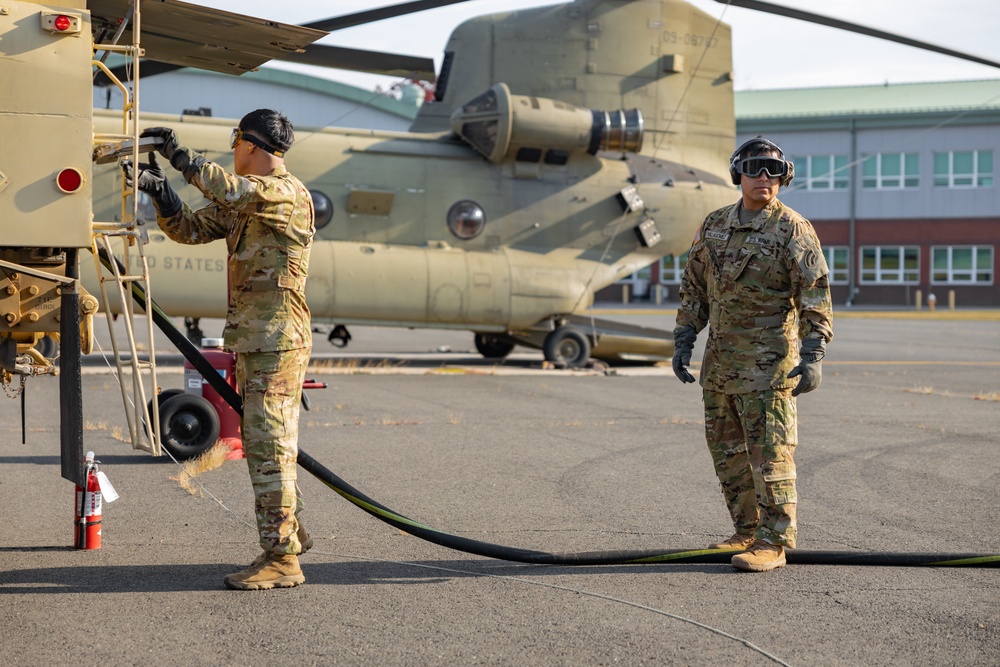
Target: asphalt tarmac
(898, 453)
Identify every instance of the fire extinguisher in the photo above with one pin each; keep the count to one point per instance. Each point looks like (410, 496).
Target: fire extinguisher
(89, 503)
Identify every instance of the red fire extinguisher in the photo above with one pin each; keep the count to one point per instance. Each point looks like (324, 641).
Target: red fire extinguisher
(87, 524)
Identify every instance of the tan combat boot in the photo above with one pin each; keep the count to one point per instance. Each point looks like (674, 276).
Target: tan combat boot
(737, 541)
(760, 558)
(269, 571)
(305, 540)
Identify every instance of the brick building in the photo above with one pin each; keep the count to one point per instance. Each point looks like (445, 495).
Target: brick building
(898, 181)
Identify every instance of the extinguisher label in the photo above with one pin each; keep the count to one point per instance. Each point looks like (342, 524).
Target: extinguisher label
(92, 503)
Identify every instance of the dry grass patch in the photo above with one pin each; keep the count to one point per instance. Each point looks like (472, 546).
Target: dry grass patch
(920, 390)
(388, 421)
(209, 460)
(675, 420)
(354, 365)
(992, 396)
(117, 433)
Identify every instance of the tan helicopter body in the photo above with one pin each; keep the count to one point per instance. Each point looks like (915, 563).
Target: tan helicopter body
(561, 200)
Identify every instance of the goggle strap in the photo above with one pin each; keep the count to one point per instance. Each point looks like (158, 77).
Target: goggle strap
(239, 135)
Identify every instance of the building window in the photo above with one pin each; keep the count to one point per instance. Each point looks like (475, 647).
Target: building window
(962, 265)
(822, 172)
(891, 171)
(890, 265)
(672, 268)
(838, 259)
(963, 169)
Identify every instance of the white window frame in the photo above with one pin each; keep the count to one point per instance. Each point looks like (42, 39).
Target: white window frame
(951, 271)
(883, 276)
(976, 177)
(881, 179)
(672, 269)
(840, 276)
(806, 181)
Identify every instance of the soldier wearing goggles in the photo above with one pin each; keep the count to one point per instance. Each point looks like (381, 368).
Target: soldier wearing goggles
(757, 277)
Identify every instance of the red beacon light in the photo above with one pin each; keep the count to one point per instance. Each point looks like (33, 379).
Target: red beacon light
(63, 24)
(69, 180)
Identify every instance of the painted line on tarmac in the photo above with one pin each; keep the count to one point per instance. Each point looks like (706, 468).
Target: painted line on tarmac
(984, 315)
(910, 363)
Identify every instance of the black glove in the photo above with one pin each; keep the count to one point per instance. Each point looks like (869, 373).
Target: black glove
(181, 158)
(169, 141)
(154, 183)
(684, 338)
(809, 371)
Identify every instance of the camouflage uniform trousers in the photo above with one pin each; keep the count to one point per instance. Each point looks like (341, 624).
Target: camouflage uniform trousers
(752, 439)
(271, 386)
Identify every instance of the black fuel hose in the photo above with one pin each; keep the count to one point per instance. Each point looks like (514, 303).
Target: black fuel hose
(479, 548)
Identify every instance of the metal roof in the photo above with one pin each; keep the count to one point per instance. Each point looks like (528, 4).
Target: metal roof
(896, 99)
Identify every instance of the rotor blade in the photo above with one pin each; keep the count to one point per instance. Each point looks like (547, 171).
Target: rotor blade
(392, 11)
(336, 57)
(373, 62)
(852, 27)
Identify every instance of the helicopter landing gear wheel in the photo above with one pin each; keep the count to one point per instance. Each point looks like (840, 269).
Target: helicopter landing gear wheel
(492, 346)
(189, 425)
(567, 347)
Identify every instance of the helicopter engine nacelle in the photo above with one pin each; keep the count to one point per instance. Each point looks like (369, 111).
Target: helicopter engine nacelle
(497, 123)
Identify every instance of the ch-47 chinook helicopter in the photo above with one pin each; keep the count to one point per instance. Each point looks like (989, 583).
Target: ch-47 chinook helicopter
(566, 147)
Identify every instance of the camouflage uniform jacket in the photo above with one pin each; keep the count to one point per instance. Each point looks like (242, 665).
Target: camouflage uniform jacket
(760, 287)
(268, 224)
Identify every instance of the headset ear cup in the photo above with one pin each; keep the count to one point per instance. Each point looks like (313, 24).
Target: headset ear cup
(786, 180)
(735, 175)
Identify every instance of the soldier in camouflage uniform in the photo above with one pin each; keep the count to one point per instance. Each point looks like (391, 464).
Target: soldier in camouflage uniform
(266, 217)
(756, 276)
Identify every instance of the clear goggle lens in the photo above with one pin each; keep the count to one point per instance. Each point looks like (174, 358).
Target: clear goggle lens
(753, 166)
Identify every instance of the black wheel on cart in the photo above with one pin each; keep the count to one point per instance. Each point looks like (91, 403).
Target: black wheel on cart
(189, 425)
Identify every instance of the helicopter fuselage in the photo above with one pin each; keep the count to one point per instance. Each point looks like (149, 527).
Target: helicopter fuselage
(551, 234)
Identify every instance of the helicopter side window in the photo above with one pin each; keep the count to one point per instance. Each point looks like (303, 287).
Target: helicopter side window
(556, 156)
(323, 208)
(466, 219)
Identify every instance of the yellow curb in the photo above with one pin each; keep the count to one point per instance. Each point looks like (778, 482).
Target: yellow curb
(944, 315)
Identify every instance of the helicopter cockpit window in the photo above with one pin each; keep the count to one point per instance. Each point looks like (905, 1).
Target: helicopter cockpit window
(323, 208)
(466, 219)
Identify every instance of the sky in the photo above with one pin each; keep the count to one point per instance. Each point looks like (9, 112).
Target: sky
(810, 55)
